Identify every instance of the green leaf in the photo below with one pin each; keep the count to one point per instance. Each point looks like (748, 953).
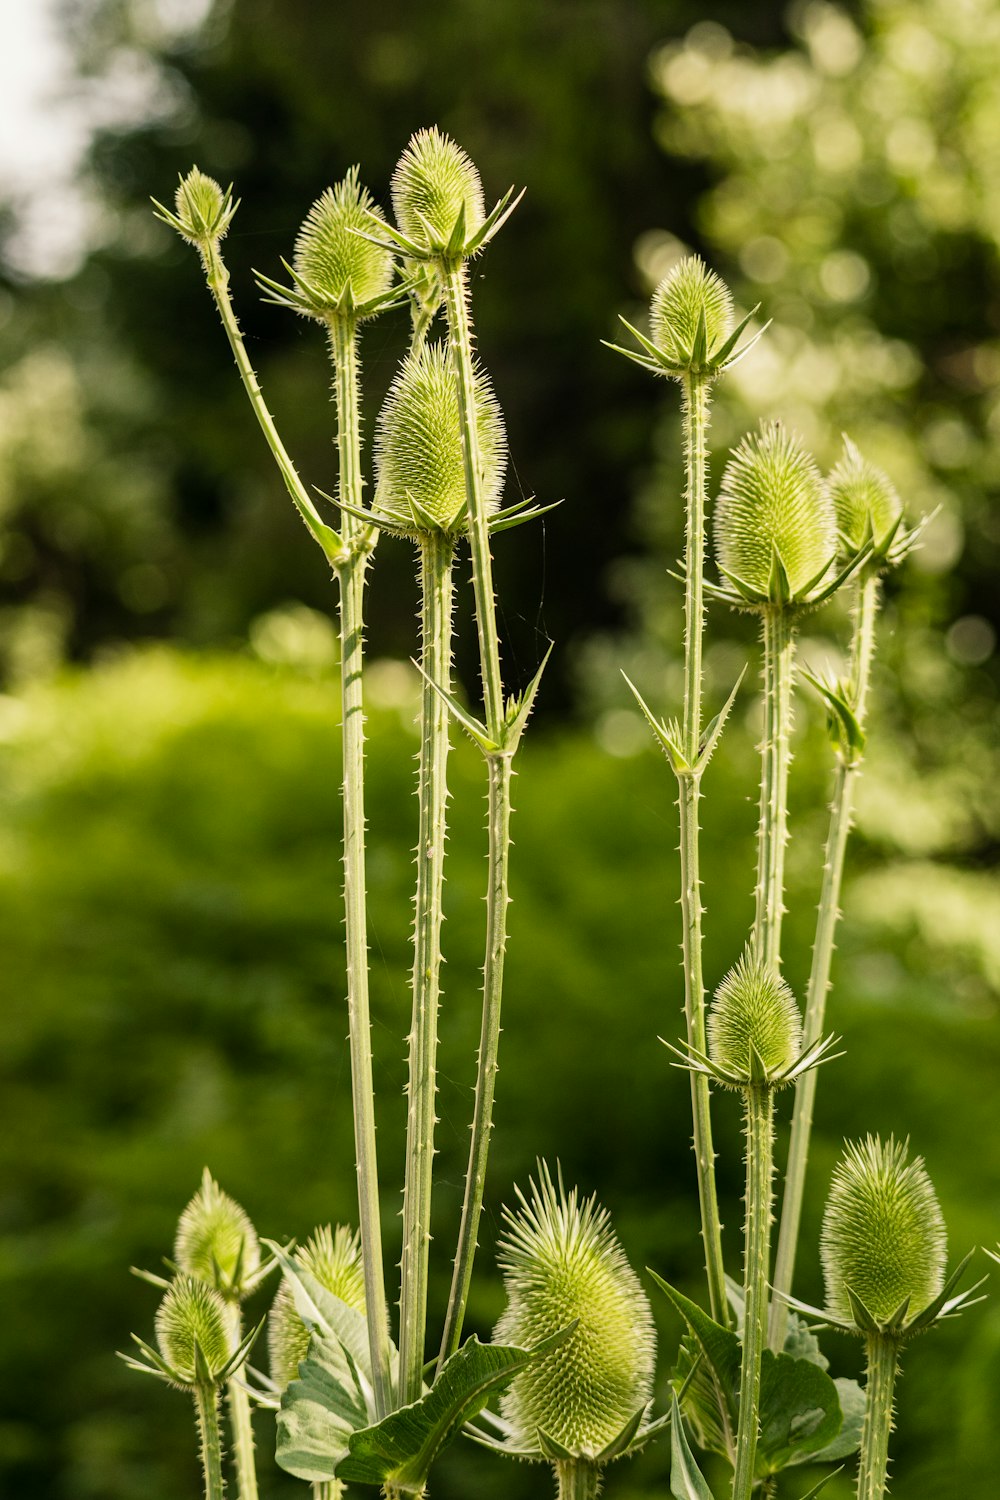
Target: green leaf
(817, 1488)
(720, 1350)
(848, 1439)
(802, 1343)
(319, 1411)
(686, 1479)
(799, 1412)
(321, 1310)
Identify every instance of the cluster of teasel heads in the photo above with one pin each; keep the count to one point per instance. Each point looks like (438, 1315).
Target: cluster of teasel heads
(573, 1356)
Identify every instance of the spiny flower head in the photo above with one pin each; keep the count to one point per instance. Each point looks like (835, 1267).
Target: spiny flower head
(775, 529)
(194, 1316)
(883, 1233)
(334, 1258)
(203, 210)
(754, 1008)
(418, 445)
(216, 1242)
(332, 262)
(865, 501)
(433, 182)
(687, 293)
(562, 1263)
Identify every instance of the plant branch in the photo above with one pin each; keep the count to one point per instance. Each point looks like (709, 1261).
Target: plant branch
(759, 1124)
(772, 834)
(206, 1403)
(241, 1427)
(882, 1363)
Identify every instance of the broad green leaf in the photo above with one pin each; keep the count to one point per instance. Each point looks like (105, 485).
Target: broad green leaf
(799, 1412)
(321, 1309)
(848, 1439)
(686, 1479)
(699, 1400)
(319, 1411)
(802, 1343)
(721, 1352)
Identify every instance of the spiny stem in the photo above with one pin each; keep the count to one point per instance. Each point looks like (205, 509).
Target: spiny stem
(695, 421)
(577, 1480)
(759, 1125)
(772, 834)
(882, 1363)
(327, 1489)
(351, 575)
(241, 1427)
(206, 1402)
(436, 559)
(841, 810)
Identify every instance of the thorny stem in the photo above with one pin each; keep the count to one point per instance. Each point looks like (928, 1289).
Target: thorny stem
(436, 559)
(841, 810)
(759, 1125)
(241, 1427)
(577, 1479)
(695, 416)
(206, 1403)
(873, 1468)
(327, 1489)
(772, 834)
(351, 575)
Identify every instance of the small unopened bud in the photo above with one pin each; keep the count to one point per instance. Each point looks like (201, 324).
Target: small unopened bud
(204, 211)
(864, 499)
(754, 1009)
(562, 1263)
(418, 445)
(883, 1233)
(216, 1242)
(334, 1258)
(689, 292)
(335, 263)
(194, 1331)
(433, 182)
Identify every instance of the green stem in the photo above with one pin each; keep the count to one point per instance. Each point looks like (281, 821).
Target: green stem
(772, 835)
(241, 1427)
(351, 575)
(436, 559)
(577, 1479)
(206, 1402)
(841, 811)
(873, 1469)
(327, 1489)
(695, 421)
(759, 1122)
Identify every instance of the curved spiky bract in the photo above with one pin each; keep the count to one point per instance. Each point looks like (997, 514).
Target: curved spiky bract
(333, 261)
(418, 446)
(194, 1314)
(433, 181)
(216, 1242)
(562, 1263)
(334, 1258)
(753, 1006)
(864, 500)
(883, 1233)
(773, 501)
(689, 290)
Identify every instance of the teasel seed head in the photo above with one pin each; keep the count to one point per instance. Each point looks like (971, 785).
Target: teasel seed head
(418, 445)
(754, 1010)
(687, 293)
(216, 1242)
(562, 1263)
(203, 211)
(334, 1258)
(775, 528)
(334, 265)
(883, 1234)
(194, 1331)
(433, 182)
(865, 502)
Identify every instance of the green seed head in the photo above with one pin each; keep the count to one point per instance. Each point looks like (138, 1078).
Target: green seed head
(773, 501)
(434, 179)
(689, 290)
(193, 1313)
(204, 211)
(334, 1258)
(883, 1234)
(216, 1241)
(418, 445)
(332, 259)
(864, 500)
(753, 1006)
(562, 1262)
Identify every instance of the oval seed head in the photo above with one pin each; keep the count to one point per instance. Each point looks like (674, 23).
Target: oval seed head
(864, 500)
(773, 500)
(562, 1262)
(753, 1006)
(883, 1234)
(686, 292)
(434, 179)
(204, 211)
(334, 261)
(216, 1242)
(194, 1314)
(334, 1258)
(418, 443)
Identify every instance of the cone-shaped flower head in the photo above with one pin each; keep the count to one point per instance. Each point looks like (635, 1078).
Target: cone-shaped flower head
(754, 1007)
(686, 293)
(434, 180)
(334, 1258)
(773, 505)
(203, 210)
(562, 1262)
(193, 1314)
(864, 500)
(418, 446)
(883, 1234)
(332, 260)
(216, 1241)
